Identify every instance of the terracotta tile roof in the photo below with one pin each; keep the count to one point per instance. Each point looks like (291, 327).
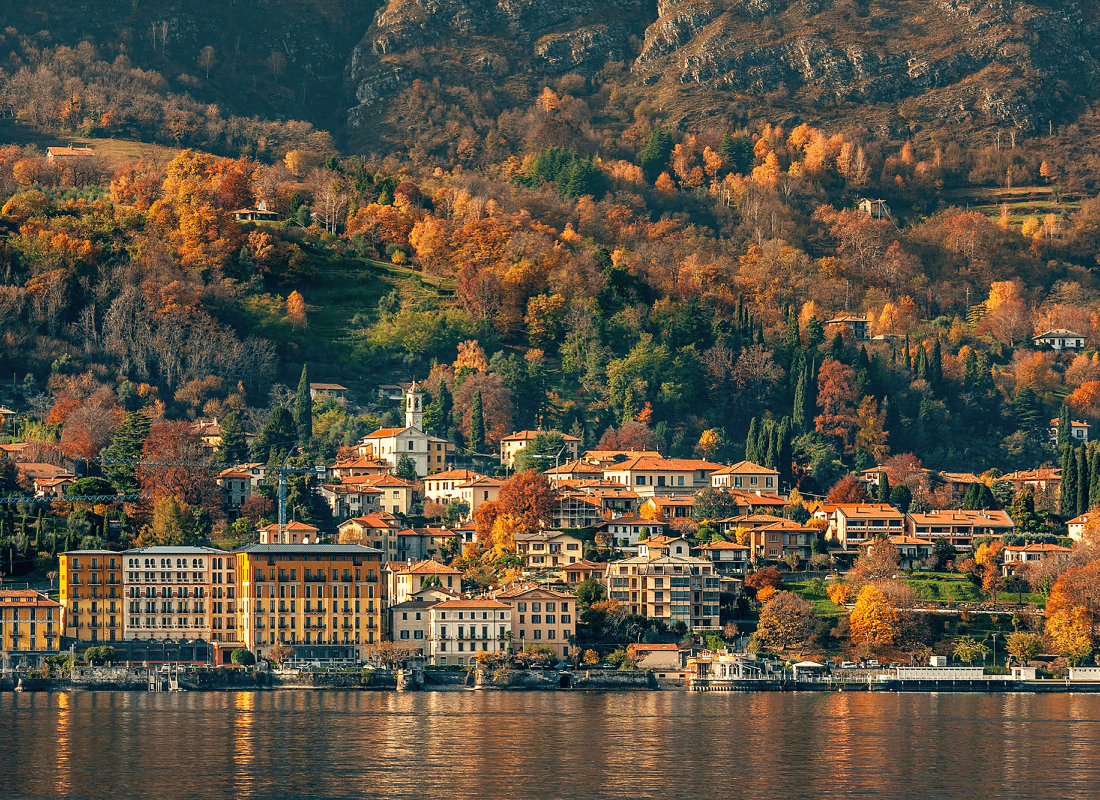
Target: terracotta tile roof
(650, 463)
(723, 546)
(385, 433)
(1039, 548)
(997, 518)
(26, 598)
(526, 436)
(290, 526)
(333, 387)
(485, 603)
(454, 475)
(427, 567)
(745, 466)
(607, 455)
(372, 521)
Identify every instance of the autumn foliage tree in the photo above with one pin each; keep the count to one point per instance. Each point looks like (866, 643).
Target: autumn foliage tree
(837, 395)
(174, 464)
(787, 622)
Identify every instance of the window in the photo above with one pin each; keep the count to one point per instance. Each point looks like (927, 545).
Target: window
(737, 481)
(768, 482)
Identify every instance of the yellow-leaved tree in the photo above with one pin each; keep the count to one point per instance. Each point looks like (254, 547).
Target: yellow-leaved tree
(874, 619)
(296, 310)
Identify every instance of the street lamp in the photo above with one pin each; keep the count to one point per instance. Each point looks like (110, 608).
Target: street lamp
(994, 648)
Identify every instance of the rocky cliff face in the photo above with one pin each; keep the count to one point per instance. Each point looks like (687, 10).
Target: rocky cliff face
(982, 61)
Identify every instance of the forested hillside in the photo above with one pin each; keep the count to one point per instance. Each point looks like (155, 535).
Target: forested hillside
(567, 244)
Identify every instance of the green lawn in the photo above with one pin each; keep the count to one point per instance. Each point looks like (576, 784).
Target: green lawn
(821, 603)
(952, 588)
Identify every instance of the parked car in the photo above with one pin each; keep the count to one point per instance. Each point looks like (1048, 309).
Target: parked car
(872, 663)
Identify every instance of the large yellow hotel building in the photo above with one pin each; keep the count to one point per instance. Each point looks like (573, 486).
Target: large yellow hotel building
(308, 594)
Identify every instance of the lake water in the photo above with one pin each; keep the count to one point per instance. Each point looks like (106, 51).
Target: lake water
(549, 745)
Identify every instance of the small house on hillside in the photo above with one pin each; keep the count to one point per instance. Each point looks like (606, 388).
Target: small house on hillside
(257, 214)
(1060, 339)
(62, 153)
(878, 209)
(857, 324)
(320, 391)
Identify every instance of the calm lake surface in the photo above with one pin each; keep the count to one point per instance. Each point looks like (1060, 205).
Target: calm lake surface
(549, 745)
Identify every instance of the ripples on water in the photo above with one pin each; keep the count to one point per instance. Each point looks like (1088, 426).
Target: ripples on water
(549, 745)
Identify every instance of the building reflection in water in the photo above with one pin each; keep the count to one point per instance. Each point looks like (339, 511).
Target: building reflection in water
(244, 742)
(63, 744)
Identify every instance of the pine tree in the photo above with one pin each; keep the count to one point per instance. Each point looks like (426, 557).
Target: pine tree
(815, 334)
(233, 447)
(127, 444)
(1083, 482)
(1068, 497)
(970, 370)
(437, 414)
(303, 409)
(476, 434)
(750, 443)
(654, 155)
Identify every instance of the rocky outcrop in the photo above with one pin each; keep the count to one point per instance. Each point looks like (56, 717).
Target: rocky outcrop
(985, 56)
(1005, 60)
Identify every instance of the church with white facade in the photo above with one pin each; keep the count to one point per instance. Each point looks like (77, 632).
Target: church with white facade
(428, 453)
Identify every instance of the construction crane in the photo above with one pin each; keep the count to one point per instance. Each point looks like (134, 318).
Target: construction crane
(283, 471)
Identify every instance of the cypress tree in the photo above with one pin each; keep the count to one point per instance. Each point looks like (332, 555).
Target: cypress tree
(303, 409)
(815, 334)
(935, 365)
(793, 342)
(760, 331)
(1065, 426)
(786, 452)
(922, 363)
(798, 413)
(1068, 499)
(771, 461)
(1094, 474)
(1083, 482)
(883, 495)
(750, 443)
(477, 424)
(970, 499)
(908, 355)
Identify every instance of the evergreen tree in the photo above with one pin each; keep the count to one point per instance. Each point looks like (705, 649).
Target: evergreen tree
(970, 499)
(772, 458)
(1083, 481)
(303, 409)
(476, 434)
(883, 495)
(760, 331)
(233, 447)
(799, 416)
(437, 414)
(126, 445)
(901, 497)
(908, 355)
(1065, 426)
(276, 438)
(815, 334)
(1068, 496)
(935, 365)
(922, 363)
(1025, 406)
(970, 370)
(654, 156)
(792, 340)
(1094, 475)
(786, 453)
(750, 443)
(405, 469)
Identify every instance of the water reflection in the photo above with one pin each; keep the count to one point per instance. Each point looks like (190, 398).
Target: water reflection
(495, 744)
